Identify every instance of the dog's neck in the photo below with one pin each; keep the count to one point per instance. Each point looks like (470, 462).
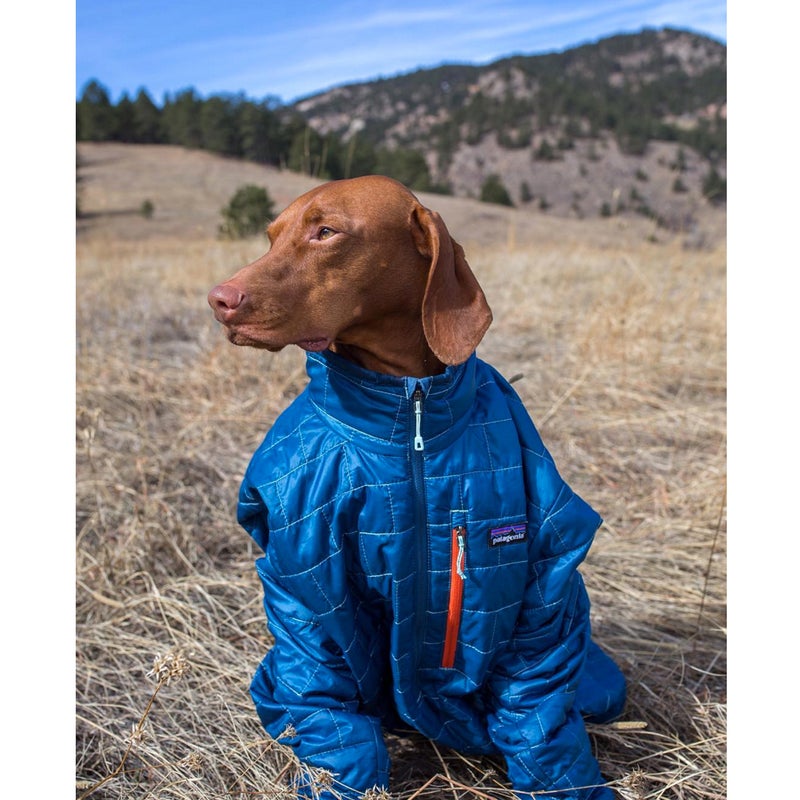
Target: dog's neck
(403, 354)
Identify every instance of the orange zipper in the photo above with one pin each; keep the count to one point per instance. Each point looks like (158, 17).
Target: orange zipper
(457, 576)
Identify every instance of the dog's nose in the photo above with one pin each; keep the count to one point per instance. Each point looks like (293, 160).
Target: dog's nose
(224, 299)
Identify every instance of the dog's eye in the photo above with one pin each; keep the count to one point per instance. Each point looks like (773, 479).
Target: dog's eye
(325, 233)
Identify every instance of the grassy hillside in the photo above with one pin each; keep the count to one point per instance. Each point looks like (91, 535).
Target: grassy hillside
(630, 124)
(619, 334)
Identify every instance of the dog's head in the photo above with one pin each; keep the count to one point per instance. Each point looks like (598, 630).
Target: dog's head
(361, 264)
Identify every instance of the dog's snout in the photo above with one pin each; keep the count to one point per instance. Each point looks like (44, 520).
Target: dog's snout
(224, 299)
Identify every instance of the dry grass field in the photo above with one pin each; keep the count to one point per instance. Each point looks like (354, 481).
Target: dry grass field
(619, 333)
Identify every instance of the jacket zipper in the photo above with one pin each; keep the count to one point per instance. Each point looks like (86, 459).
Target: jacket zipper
(420, 521)
(457, 578)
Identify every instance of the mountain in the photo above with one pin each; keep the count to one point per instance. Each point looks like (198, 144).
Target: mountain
(634, 123)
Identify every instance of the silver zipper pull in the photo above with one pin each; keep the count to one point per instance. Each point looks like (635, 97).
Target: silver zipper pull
(419, 444)
(460, 557)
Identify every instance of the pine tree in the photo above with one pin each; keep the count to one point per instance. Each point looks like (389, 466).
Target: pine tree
(217, 127)
(256, 125)
(125, 127)
(147, 125)
(95, 116)
(181, 117)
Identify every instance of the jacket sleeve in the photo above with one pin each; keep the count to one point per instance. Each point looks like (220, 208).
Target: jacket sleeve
(303, 690)
(534, 720)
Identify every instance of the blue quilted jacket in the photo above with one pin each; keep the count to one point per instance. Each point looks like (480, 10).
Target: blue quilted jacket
(420, 569)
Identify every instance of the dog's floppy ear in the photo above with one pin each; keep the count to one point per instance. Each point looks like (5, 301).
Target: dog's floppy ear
(455, 314)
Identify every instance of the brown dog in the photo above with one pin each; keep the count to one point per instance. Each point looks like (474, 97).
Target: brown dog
(420, 547)
(360, 267)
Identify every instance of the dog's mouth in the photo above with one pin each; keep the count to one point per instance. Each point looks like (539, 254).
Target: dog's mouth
(238, 335)
(245, 337)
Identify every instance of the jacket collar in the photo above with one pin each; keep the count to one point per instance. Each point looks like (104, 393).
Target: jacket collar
(380, 409)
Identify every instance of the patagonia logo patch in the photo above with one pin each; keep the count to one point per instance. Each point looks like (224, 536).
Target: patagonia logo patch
(508, 534)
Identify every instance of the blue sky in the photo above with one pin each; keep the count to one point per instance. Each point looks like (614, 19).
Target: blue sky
(294, 49)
